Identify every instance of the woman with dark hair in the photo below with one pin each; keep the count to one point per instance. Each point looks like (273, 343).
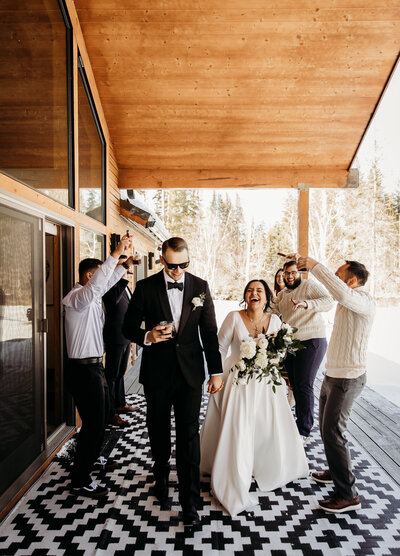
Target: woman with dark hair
(249, 430)
(279, 282)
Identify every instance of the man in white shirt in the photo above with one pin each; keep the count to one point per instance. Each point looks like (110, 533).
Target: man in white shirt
(85, 378)
(345, 374)
(172, 367)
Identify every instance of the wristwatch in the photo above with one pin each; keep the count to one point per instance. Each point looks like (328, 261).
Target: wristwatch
(125, 265)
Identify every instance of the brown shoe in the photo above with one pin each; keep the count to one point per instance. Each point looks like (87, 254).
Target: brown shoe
(117, 421)
(340, 505)
(324, 477)
(126, 409)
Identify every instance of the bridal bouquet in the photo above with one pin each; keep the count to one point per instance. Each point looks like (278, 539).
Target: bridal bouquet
(263, 357)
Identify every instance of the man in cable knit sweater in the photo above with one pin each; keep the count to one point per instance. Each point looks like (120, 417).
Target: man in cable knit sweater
(301, 305)
(345, 374)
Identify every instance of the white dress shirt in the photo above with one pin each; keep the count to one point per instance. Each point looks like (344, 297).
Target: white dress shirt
(175, 298)
(84, 316)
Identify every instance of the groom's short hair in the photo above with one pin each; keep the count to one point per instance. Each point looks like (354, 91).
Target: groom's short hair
(174, 243)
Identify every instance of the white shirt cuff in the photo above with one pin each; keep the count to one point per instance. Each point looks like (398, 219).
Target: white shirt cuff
(146, 342)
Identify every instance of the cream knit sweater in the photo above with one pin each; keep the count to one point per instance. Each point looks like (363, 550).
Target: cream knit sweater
(309, 322)
(347, 350)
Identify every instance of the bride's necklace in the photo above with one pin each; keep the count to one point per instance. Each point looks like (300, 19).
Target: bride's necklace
(255, 324)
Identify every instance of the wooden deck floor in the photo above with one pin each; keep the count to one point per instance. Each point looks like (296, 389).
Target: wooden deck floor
(375, 423)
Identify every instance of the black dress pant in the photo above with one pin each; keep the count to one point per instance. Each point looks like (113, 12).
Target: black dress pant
(185, 401)
(117, 357)
(88, 386)
(302, 369)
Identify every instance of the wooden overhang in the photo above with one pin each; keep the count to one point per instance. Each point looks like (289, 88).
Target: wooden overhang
(241, 93)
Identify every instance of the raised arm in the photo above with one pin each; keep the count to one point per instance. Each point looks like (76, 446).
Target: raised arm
(97, 286)
(353, 299)
(318, 298)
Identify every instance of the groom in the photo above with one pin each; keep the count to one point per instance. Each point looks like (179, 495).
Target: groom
(172, 367)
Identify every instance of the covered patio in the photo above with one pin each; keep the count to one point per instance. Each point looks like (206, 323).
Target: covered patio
(226, 95)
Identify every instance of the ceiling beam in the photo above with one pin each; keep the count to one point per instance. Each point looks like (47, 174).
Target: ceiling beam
(270, 178)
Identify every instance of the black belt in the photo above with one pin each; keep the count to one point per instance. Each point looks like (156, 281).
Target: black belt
(88, 360)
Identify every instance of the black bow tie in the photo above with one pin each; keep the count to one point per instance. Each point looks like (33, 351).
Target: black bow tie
(178, 285)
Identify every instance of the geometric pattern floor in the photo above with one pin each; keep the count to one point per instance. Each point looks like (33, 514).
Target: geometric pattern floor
(50, 521)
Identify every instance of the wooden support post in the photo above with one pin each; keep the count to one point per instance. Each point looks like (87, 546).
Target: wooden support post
(303, 218)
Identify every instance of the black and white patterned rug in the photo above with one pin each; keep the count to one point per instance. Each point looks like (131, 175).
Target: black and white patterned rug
(50, 521)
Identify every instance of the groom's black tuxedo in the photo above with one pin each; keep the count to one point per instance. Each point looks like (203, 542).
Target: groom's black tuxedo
(149, 304)
(172, 373)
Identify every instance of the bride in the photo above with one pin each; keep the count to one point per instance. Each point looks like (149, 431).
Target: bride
(249, 430)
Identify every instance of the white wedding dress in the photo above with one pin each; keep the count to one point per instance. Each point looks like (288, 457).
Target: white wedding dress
(249, 430)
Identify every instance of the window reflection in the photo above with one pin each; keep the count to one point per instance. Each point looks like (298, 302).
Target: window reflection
(16, 334)
(91, 146)
(34, 97)
(91, 245)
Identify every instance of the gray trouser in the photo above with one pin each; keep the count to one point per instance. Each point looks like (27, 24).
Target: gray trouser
(335, 404)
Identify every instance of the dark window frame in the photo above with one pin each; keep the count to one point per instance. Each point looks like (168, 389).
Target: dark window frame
(96, 119)
(70, 103)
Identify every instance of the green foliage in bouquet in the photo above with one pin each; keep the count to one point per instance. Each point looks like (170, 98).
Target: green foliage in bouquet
(263, 357)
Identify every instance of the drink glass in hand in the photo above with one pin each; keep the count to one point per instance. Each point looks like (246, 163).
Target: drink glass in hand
(169, 328)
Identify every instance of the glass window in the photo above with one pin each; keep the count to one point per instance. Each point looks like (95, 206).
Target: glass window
(91, 245)
(91, 153)
(35, 94)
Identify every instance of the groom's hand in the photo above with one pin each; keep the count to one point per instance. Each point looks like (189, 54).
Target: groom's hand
(215, 384)
(158, 334)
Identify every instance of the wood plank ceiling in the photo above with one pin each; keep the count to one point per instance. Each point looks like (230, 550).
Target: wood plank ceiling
(246, 93)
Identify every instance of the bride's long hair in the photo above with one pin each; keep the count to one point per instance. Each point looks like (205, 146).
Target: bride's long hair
(268, 292)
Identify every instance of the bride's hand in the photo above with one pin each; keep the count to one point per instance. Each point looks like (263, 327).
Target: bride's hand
(215, 384)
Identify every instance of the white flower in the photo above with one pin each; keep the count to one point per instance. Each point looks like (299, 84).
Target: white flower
(287, 327)
(198, 301)
(261, 360)
(287, 339)
(274, 361)
(241, 366)
(274, 371)
(248, 349)
(263, 343)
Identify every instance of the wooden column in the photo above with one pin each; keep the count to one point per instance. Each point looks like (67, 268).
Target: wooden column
(303, 218)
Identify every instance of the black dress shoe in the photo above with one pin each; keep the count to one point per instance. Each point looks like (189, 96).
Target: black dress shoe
(190, 517)
(161, 490)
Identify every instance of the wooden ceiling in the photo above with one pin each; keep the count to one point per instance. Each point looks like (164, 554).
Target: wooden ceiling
(246, 93)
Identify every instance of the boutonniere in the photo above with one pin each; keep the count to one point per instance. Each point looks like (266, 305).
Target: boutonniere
(198, 301)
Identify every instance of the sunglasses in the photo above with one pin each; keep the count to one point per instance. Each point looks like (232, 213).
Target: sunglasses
(172, 266)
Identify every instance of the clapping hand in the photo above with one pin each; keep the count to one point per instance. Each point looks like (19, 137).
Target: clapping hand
(297, 304)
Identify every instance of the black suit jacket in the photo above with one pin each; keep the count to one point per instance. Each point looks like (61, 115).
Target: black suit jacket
(150, 304)
(116, 303)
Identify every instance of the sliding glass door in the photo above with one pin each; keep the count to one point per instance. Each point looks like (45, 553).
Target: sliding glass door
(21, 343)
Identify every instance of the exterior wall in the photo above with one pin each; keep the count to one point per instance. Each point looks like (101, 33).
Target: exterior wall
(13, 189)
